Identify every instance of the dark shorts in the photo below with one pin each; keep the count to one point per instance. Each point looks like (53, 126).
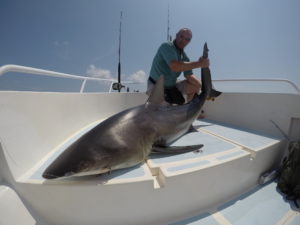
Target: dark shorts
(174, 96)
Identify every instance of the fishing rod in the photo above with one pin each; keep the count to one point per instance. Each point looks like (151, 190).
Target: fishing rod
(119, 65)
(169, 37)
(118, 86)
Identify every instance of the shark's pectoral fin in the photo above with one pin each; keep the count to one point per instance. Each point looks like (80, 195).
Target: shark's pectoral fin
(175, 149)
(192, 129)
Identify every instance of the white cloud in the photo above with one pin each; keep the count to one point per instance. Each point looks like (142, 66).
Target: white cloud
(93, 71)
(139, 76)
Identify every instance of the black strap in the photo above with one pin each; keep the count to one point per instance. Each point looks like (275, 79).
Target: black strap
(152, 80)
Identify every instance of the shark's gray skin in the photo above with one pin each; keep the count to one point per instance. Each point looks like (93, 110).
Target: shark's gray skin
(127, 138)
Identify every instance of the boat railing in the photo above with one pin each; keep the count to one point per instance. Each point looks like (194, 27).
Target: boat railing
(225, 85)
(41, 72)
(258, 84)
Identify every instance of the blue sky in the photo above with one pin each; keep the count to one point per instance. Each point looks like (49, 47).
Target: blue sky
(246, 38)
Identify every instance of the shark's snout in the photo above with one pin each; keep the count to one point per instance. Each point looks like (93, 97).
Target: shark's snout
(49, 176)
(54, 173)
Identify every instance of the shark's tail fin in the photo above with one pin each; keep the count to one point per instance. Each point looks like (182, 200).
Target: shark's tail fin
(206, 78)
(214, 93)
(206, 82)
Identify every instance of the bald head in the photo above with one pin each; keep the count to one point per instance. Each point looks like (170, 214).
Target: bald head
(183, 37)
(185, 31)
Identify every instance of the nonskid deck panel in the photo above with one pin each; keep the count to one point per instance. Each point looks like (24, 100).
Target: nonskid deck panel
(247, 138)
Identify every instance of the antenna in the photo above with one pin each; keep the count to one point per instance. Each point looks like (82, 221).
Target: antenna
(118, 86)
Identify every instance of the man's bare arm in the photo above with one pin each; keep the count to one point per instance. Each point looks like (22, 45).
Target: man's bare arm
(179, 66)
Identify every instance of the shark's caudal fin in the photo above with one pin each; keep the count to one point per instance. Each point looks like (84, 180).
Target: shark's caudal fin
(157, 95)
(213, 94)
(206, 78)
(175, 149)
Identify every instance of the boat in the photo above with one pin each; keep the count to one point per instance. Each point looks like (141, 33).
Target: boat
(221, 184)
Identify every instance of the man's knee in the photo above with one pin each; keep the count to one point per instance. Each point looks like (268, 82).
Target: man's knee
(191, 89)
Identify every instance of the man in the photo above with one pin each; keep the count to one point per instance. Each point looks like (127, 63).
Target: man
(170, 60)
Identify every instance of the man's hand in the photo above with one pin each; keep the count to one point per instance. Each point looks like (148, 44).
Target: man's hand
(204, 63)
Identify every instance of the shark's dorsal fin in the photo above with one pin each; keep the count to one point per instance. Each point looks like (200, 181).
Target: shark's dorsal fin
(157, 95)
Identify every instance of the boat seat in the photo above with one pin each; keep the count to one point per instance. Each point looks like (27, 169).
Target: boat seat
(222, 143)
(260, 205)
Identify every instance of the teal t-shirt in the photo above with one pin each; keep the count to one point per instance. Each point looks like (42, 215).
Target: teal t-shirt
(160, 65)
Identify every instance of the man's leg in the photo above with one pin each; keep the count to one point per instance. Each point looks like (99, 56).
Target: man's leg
(187, 89)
